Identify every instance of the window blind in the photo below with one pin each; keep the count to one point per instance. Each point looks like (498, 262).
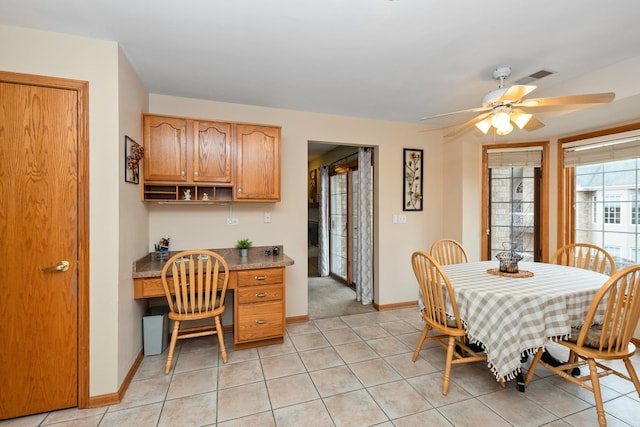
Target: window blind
(514, 157)
(609, 148)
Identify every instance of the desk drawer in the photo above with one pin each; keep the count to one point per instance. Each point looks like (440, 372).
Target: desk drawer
(259, 321)
(265, 276)
(152, 287)
(148, 288)
(253, 294)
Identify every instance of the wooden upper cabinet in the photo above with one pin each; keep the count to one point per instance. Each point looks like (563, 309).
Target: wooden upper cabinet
(212, 152)
(193, 160)
(165, 149)
(257, 163)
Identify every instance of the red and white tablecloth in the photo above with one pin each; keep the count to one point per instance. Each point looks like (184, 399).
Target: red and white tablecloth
(511, 316)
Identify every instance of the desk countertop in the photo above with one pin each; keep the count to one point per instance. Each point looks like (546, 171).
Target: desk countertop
(148, 266)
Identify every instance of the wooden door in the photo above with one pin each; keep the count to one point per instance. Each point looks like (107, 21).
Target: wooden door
(165, 149)
(211, 152)
(42, 224)
(258, 163)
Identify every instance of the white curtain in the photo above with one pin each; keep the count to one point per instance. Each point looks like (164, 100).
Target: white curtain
(323, 223)
(364, 255)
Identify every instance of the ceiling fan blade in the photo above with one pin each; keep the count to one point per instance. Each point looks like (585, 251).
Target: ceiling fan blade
(591, 98)
(516, 92)
(470, 110)
(465, 126)
(533, 124)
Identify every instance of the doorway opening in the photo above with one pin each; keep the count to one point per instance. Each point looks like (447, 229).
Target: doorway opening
(332, 280)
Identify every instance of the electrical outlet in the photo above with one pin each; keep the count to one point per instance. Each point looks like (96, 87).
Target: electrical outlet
(267, 217)
(232, 221)
(402, 219)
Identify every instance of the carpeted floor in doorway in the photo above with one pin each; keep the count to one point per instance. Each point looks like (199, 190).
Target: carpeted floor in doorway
(330, 298)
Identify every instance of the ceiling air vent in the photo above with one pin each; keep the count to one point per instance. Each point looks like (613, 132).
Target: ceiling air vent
(533, 77)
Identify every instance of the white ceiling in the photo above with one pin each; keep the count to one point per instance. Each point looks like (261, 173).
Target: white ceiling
(379, 59)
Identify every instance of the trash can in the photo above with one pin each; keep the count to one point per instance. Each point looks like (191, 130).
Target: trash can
(155, 330)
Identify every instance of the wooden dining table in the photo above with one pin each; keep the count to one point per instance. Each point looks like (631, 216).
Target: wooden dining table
(512, 315)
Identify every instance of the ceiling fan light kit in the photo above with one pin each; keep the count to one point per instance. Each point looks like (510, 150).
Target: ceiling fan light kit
(502, 108)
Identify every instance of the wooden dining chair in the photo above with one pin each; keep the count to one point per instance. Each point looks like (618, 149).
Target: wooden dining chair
(448, 251)
(195, 283)
(437, 293)
(585, 256)
(598, 341)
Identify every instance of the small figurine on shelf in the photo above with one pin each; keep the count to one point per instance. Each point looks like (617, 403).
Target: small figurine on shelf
(187, 194)
(205, 196)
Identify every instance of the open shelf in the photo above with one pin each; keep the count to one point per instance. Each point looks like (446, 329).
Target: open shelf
(187, 193)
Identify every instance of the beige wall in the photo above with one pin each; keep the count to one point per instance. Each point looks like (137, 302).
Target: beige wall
(133, 218)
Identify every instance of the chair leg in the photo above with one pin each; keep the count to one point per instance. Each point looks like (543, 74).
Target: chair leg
(172, 345)
(632, 374)
(532, 367)
(447, 367)
(220, 334)
(425, 331)
(595, 385)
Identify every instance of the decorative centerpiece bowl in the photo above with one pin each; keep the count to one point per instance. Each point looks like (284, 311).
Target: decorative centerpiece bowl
(508, 259)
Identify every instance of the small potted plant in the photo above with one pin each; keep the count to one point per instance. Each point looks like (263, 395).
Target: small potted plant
(244, 245)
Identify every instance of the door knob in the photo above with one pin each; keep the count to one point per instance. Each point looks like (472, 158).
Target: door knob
(60, 266)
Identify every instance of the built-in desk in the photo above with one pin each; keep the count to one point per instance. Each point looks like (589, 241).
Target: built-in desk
(258, 284)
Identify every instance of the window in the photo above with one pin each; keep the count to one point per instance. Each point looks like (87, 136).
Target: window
(602, 175)
(612, 209)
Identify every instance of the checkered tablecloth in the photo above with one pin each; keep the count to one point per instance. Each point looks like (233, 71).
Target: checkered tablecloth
(514, 316)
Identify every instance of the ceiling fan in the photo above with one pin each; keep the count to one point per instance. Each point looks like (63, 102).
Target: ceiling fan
(505, 107)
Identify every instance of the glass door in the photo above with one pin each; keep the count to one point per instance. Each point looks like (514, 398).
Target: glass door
(338, 220)
(344, 224)
(514, 195)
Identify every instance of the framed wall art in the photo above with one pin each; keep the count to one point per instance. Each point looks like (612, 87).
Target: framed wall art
(412, 180)
(133, 153)
(314, 176)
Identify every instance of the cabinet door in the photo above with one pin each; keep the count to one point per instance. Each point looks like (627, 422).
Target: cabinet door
(165, 149)
(211, 152)
(257, 163)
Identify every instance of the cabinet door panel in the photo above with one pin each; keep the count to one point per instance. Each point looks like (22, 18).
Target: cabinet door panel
(259, 321)
(258, 163)
(212, 152)
(166, 158)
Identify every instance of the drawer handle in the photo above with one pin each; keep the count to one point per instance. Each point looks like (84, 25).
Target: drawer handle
(261, 277)
(261, 322)
(261, 295)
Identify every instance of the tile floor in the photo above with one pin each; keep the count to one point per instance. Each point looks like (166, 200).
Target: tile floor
(351, 371)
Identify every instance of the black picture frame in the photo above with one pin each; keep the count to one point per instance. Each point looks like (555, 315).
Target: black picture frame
(412, 179)
(133, 153)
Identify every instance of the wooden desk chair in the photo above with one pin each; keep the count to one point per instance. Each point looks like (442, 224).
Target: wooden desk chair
(585, 256)
(193, 293)
(436, 291)
(593, 344)
(448, 251)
